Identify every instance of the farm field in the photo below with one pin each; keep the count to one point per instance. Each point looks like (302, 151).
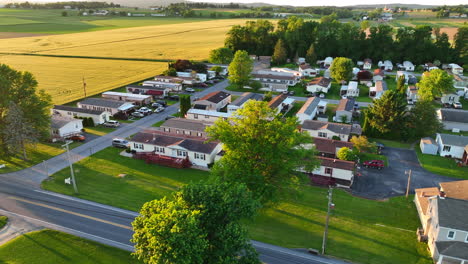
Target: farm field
(188, 40)
(62, 78)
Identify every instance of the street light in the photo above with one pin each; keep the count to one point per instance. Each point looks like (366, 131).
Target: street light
(330, 206)
(70, 164)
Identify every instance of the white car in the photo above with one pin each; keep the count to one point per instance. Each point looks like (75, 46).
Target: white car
(138, 114)
(145, 110)
(112, 123)
(190, 90)
(159, 109)
(457, 105)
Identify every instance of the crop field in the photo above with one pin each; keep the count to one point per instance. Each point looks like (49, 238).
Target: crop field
(63, 77)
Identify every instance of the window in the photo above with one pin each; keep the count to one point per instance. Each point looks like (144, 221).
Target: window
(328, 170)
(199, 134)
(137, 145)
(195, 116)
(447, 148)
(207, 116)
(177, 131)
(159, 149)
(451, 234)
(181, 153)
(200, 156)
(322, 134)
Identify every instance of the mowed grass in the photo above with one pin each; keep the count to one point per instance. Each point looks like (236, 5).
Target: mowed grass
(177, 41)
(441, 165)
(53, 247)
(363, 231)
(62, 78)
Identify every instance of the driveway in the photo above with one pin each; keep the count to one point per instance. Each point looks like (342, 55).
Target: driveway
(392, 180)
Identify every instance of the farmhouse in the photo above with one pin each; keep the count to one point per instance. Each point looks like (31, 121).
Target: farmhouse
(282, 103)
(367, 65)
(309, 110)
(331, 130)
(62, 127)
(333, 172)
(350, 90)
(329, 147)
(182, 126)
(453, 118)
(307, 71)
(111, 106)
(452, 146)
(194, 149)
(205, 115)
(241, 100)
(98, 116)
(345, 110)
(137, 99)
(319, 85)
(214, 101)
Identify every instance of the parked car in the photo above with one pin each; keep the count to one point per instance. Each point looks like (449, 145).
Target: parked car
(137, 114)
(155, 105)
(374, 164)
(322, 95)
(161, 102)
(457, 105)
(190, 90)
(79, 138)
(145, 111)
(111, 123)
(119, 143)
(159, 109)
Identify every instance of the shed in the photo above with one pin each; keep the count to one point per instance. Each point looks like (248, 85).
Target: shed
(428, 146)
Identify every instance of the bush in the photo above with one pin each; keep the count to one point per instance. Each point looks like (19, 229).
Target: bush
(336, 138)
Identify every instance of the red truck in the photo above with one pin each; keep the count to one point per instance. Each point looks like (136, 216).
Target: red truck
(375, 164)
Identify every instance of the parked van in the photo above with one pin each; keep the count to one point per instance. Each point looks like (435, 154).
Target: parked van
(119, 143)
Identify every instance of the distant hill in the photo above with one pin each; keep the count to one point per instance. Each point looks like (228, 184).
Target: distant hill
(410, 6)
(128, 3)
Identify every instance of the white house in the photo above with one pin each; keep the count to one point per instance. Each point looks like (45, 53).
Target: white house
(450, 98)
(409, 78)
(183, 126)
(453, 118)
(224, 68)
(378, 89)
(61, 127)
(451, 145)
(456, 69)
(367, 65)
(428, 146)
(173, 79)
(327, 62)
(334, 172)
(345, 110)
(171, 86)
(197, 150)
(298, 74)
(202, 77)
(275, 81)
(241, 100)
(309, 110)
(408, 66)
(386, 65)
(307, 71)
(98, 116)
(282, 103)
(319, 85)
(350, 90)
(331, 130)
(137, 99)
(379, 75)
(111, 106)
(429, 67)
(214, 101)
(412, 94)
(205, 115)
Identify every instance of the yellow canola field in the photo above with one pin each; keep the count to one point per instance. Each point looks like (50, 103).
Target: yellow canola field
(62, 78)
(177, 41)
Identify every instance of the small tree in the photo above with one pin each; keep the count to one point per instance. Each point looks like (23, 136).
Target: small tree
(279, 55)
(342, 69)
(170, 72)
(346, 153)
(311, 56)
(185, 104)
(388, 113)
(217, 69)
(362, 144)
(240, 69)
(221, 56)
(268, 96)
(401, 88)
(64, 13)
(435, 83)
(90, 122)
(255, 85)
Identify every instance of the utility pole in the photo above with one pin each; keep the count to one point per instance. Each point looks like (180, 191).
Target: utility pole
(84, 87)
(408, 172)
(330, 205)
(71, 165)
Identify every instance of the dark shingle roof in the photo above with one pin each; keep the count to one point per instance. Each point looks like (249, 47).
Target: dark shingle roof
(335, 127)
(156, 137)
(346, 105)
(215, 97)
(271, 76)
(453, 213)
(59, 122)
(183, 123)
(454, 249)
(454, 115)
(103, 102)
(336, 163)
(329, 146)
(320, 81)
(275, 102)
(245, 97)
(454, 140)
(78, 110)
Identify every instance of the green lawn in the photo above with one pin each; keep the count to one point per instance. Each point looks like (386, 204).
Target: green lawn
(35, 154)
(99, 130)
(296, 106)
(356, 231)
(158, 124)
(3, 221)
(391, 143)
(441, 165)
(364, 94)
(52, 247)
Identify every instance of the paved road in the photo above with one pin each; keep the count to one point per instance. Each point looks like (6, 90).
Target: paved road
(392, 180)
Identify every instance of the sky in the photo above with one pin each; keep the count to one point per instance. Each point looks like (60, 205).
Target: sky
(342, 2)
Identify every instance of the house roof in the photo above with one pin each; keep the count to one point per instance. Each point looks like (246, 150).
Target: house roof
(455, 189)
(454, 140)
(150, 87)
(329, 145)
(334, 127)
(273, 76)
(453, 213)
(346, 105)
(413, 89)
(336, 163)
(309, 106)
(247, 96)
(103, 102)
(379, 72)
(428, 141)
(304, 66)
(423, 194)
(454, 249)
(367, 60)
(277, 101)
(454, 115)
(215, 97)
(380, 86)
(208, 113)
(160, 138)
(320, 81)
(200, 106)
(78, 110)
(57, 122)
(134, 96)
(183, 123)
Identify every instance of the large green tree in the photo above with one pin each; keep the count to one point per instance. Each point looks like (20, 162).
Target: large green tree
(201, 224)
(221, 55)
(262, 150)
(279, 54)
(342, 69)
(434, 84)
(33, 105)
(240, 68)
(423, 119)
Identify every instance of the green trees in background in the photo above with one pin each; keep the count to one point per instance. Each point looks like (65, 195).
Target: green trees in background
(221, 56)
(240, 69)
(279, 54)
(434, 84)
(342, 69)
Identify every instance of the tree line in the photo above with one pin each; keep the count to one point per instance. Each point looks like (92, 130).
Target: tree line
(60, 5)
(329, 37)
